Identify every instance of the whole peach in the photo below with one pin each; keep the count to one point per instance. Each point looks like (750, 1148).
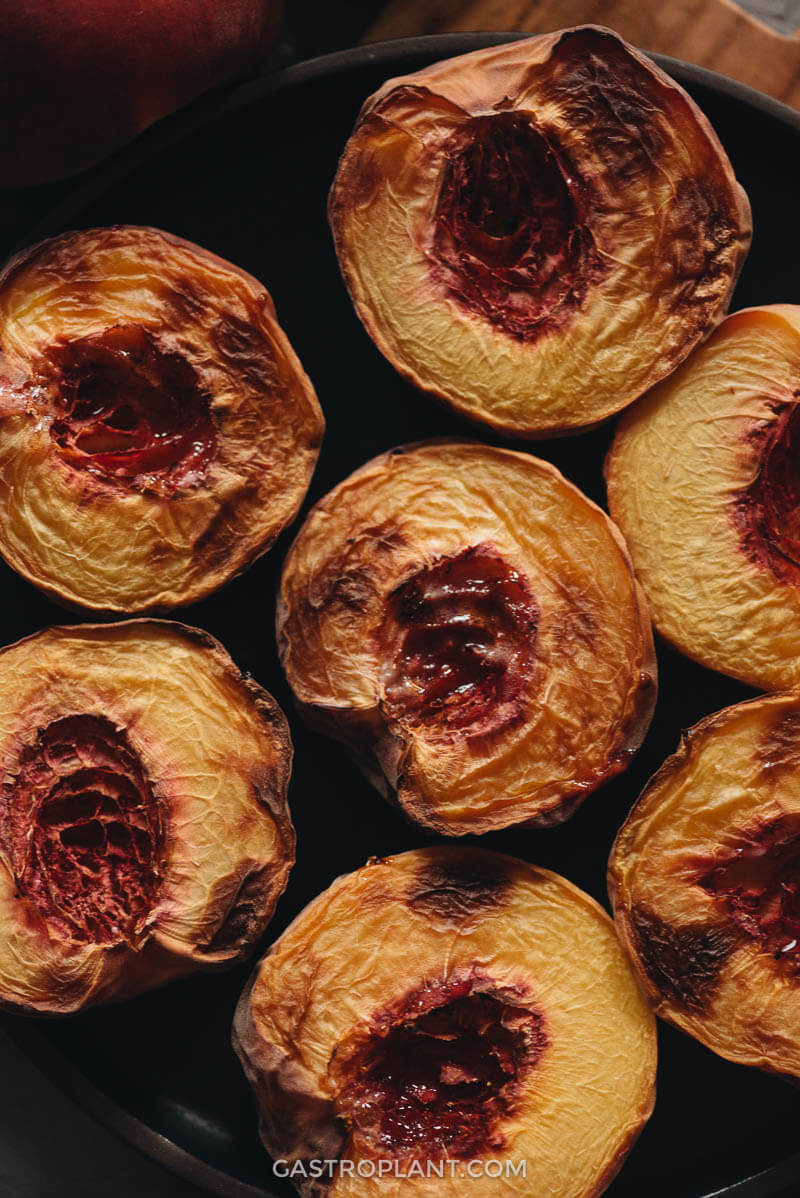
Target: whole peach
(79, 78)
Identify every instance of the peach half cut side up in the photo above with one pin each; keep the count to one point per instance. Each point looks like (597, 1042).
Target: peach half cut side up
(467, 622)
(704, 481)
(157, 431)
(704, 878)
(144, 828)
(456, 1008)
(538, 232)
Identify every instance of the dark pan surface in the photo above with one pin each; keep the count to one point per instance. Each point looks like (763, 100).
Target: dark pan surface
(247, 176)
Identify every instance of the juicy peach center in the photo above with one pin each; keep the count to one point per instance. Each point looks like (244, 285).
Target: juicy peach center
(131, 412)
(510, 239)
(779, 487)
(758, 884)
(461, 635)
(439, 1072)
(83, 830)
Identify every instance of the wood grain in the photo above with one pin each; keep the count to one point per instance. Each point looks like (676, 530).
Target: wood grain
(713, 33)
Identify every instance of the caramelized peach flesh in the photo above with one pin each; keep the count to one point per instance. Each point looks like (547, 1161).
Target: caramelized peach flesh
(144, 831)
(537, 232)
(449, 1006)
(465, 631)
(714, 532)
(468, 624)
(130, 412)
(144, 384)
(704, 881)
(510, 241)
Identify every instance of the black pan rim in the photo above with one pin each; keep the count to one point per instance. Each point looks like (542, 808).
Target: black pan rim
(172, 129)
(52, 1063)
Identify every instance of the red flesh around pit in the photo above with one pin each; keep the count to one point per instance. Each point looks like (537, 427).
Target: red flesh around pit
(440, 1071)
(463, 632)
(83, 831)
(511, 240)
(769, 510)
(758, 884)
(131, 412)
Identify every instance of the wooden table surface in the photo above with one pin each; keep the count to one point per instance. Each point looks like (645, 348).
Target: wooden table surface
(762, 50)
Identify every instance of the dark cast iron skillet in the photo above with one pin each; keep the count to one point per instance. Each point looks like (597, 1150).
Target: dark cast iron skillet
(246, 173)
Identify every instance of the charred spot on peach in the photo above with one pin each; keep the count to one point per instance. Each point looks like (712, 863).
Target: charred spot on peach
(372, 1031)
(144, 383)
(144, 831)
(451, 890)
(492, 663)
(503, 216)
(683, 963)
(704, 882)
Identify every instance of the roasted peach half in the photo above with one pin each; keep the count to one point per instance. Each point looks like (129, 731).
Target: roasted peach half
(157, 431)
(144, 830)
(449, 1020)
(468, 623)
(704, 481)
(538, 232)
(705, 882)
